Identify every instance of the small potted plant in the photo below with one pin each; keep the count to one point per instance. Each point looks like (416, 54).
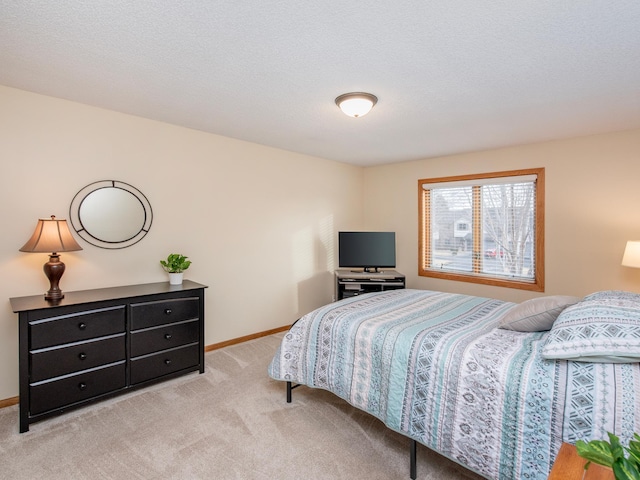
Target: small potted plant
(612, 454)
(175, 265)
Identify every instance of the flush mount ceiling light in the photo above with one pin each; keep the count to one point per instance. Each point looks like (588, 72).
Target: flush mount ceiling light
(356, 104)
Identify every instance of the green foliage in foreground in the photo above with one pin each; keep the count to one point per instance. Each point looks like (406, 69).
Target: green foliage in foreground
(612, 454)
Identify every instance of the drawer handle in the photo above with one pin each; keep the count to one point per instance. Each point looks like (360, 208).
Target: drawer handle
(167, 336)
(82, 356)
(167, 311)
(167, 362)
(82, 326)
(82, 386)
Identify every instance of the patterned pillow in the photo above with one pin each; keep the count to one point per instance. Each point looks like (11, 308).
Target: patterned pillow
(537, 314)
(603, 327)
(616, 297)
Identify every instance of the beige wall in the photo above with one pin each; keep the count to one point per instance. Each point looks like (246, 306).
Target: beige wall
(592, 209)
(258, 223)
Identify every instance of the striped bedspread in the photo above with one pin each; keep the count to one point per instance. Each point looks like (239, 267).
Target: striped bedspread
(434, 367)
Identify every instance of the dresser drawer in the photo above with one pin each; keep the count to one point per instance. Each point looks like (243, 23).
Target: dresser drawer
(53, 394)
(163, 363)
(77, 327)
(54, 362)
(150, 314)
(163, 337)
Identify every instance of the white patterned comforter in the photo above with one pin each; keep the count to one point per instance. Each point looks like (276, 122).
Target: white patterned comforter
(434, 367)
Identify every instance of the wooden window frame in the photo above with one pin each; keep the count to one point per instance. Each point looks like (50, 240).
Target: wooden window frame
(424, 237)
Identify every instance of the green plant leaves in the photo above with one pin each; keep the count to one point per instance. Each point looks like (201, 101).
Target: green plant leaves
(596, 451)
(623, 469)
(616, 448)
(612, 454)
(175, 263)
(634, 450)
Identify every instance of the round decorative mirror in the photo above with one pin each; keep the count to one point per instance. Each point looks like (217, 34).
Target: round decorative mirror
(110, 214)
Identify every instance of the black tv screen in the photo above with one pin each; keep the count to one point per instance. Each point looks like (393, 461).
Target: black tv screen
(367, 250)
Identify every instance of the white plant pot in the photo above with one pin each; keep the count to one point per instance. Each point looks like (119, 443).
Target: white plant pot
(175, 278)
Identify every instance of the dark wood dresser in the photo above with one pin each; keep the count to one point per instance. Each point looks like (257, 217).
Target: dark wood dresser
(94, 344)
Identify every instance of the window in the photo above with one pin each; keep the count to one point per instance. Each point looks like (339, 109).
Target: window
(486, 228)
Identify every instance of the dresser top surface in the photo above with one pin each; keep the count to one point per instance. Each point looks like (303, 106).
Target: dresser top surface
(38, 302)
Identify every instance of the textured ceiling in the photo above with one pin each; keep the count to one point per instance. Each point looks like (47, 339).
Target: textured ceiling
(451, 75)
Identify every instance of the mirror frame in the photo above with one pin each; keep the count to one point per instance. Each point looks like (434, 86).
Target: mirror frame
(76, 222)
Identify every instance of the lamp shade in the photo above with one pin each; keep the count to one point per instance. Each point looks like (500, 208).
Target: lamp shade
(356, 104)
(51, 236)
(631, 257)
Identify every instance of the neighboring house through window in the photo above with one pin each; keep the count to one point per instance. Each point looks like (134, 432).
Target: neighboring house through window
(484, 228)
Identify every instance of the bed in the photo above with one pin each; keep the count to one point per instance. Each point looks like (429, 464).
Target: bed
(481, 381)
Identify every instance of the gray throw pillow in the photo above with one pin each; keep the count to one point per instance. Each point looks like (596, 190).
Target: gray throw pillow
(537, 314)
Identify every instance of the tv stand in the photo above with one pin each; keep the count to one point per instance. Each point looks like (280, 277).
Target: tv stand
(351, 284)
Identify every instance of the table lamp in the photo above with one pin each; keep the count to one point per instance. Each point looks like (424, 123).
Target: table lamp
(52, 235)
(631, 257)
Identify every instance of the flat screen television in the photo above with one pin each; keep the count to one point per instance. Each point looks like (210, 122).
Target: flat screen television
(367, 250)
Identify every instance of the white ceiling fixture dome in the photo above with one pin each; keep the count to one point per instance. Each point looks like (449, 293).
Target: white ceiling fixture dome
(356, 104)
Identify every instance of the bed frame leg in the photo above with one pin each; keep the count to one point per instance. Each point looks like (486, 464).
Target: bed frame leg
(412, 460)
(290, 387)
(413, 450)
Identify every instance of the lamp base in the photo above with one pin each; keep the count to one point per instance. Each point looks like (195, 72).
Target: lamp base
(54, 295)
(54, 269)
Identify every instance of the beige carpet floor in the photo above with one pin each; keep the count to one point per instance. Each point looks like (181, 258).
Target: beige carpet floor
(232, 422)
